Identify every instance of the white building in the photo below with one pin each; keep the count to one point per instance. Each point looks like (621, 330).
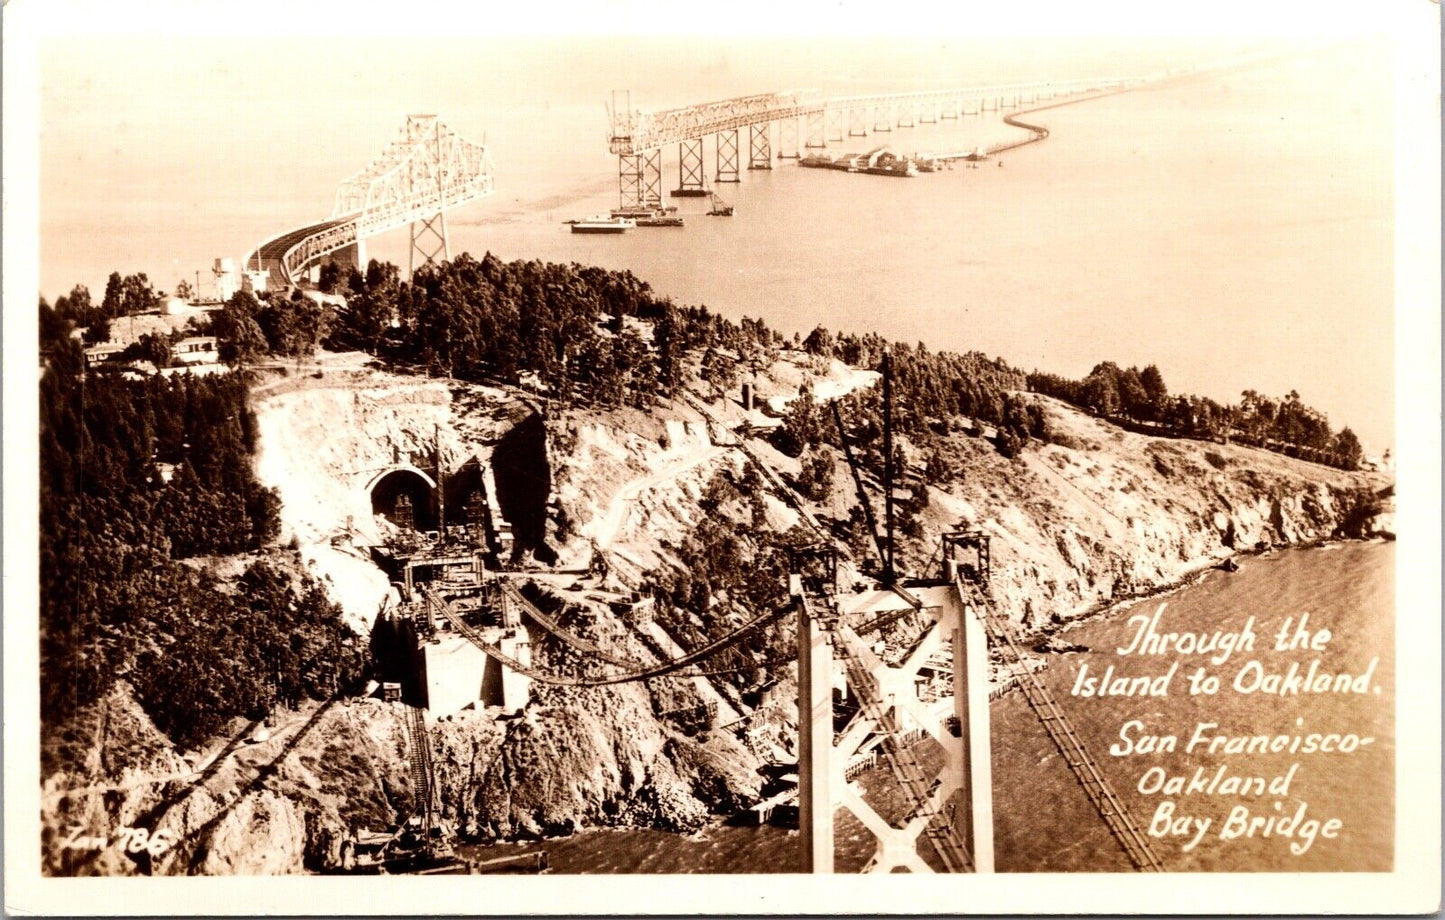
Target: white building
(197, 349)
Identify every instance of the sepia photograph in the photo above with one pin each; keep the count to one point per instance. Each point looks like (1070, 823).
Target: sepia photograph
(837, 441)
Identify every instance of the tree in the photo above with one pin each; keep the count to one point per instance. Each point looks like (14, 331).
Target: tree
(151, 347)
(1101, 393)
(328, 277)
(819, 342)
(1153, 382)
(1133, 397)
(719, 372)
(239, 336)
(815, 479)
(76, 306)
(803, 425)
(667, 340)
(1347, 446)
(98, 331)
(114, 302)
(184, 290)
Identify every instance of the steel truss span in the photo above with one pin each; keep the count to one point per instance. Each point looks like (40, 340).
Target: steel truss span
(426, 170)
(634, 131)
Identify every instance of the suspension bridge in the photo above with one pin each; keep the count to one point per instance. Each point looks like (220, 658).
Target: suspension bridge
(425, 171)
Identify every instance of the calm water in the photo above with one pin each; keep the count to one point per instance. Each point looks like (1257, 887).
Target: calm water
(1044, 822)
(1234, 228)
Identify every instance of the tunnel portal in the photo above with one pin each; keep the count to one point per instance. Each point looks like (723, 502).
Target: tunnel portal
(406, 496)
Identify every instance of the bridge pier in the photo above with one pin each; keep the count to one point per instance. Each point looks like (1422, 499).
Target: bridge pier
(816, 130)
(639, 179)
(882, 118)
(429, 239)
(857, 123)
(834, 130)
(690, 176)
(953, 808)
(727, 156)
(788, 139)
(974, 817)
(760, 153)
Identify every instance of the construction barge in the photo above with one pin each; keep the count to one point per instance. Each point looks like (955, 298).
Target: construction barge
(879, 161)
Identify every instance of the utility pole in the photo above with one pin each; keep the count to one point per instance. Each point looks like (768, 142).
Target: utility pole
(441, 482)
(888, 570)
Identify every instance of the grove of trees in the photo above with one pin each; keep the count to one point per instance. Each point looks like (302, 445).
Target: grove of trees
(1286, 425)
(135, 476)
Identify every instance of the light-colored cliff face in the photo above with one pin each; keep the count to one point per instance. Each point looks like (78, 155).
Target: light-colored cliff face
(1115, 514)
(238, 806)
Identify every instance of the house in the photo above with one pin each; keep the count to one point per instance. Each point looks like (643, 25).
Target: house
(197, 349)
(99, 354)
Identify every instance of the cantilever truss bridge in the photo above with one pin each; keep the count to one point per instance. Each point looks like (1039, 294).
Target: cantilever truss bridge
(425, 171)
(638, 137)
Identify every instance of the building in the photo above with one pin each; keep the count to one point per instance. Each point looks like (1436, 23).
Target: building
(197, 349)
(99, 354)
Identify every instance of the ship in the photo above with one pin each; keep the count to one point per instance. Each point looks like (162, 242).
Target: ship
(600, 224)
(978, 154)
(659, 220)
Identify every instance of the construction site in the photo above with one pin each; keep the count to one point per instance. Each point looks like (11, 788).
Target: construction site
(890, 671)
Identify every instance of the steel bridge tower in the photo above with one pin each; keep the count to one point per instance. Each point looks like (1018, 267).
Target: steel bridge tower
(424, 172)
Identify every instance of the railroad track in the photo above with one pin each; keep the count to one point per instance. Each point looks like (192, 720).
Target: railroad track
(1066, 738)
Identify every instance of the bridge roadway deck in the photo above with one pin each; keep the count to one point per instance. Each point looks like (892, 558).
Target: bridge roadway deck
(273, 251)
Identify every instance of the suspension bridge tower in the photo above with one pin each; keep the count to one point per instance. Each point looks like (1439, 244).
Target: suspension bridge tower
(935, 688)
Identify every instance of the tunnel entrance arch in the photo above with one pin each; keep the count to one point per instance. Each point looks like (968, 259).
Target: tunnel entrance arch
(405, 495)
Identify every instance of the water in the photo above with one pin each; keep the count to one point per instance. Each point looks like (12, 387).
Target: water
(1043, 820)
(1233, 228)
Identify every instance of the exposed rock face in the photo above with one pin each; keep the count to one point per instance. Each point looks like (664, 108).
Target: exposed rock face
(585, 757)
(1117, 514)
(237, 808)
(1073, 528)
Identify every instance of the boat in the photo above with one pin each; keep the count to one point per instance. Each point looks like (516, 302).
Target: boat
(720, 208)
(884, 162)
(601, 224)
(659, 220)
(978, 154)
(640, 211)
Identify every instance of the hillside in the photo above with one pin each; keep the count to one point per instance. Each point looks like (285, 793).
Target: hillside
(1096, 516)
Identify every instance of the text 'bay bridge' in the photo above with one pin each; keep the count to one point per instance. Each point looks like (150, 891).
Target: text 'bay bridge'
(638, 137)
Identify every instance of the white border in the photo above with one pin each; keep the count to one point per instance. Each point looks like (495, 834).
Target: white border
(1412, 887)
